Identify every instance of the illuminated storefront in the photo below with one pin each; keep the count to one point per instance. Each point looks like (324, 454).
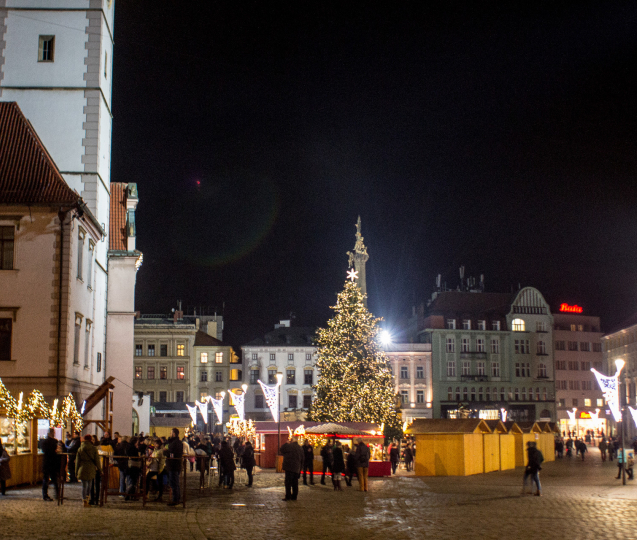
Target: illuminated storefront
(579, 422)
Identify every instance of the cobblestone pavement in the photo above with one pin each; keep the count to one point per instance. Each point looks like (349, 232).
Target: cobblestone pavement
(580, 500)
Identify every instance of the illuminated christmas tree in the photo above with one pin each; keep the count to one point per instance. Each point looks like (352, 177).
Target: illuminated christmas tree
(355, 381)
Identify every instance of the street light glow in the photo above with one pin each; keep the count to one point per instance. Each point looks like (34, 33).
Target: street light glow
(385, 337)
(620, 365)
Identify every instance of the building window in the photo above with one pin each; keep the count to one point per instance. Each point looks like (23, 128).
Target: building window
(181, 349)
(219, 358)
(98, 366)
(585, 346)
(531, 394)
(76, 341)
(204, 376)
(573, 385)
(180, 373)
(235, 374)
(151, 350)
(465, 394)
(488, 394)
(495, 346)
(480, 345)
(466, 367)
(495, 325)
(163, 350)
(138, 372)
(573, 366)
(575, 402)
(404, 372)
(482, 325)
(523, 394)
(587, 385)
(308, 358)
(572, 345)
(404, 396)
(502, 394)
(162, 397)
(218, 376)
(522, 346)
(258, 401)
(307, 402)
(291, 358)
(451, 344)
(540, 326)
(290, 376)
(150, 372)
(541, 347)
(203, 357)
(560, 364)
(139, 349)
(517, 394)
(420, 372)
(451, 324)
(465, 345)
(587, 402)
(7, 241)
(495, 369)
(560, 345)
(466, 324)
(600, 402)
(451, 368)
(597, 347)
(420, 396)
(80, 253)
(292, 402)
(450, 394)
(151, 395)
(218, 395)
(517, 369)
(179, 396)
(481, 368)
(457, 393)
(163, 372)
(541, 371)
(254, 376)
(46, 48)
(272, 357)
(586, 366)
(517, 325)
(89, 273)
(308, 377)
(87, 343)
(271, 376)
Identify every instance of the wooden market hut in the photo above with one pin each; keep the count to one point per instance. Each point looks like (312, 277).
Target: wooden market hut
(529, 432)
(449, 447)
(492, 442)
(546, 442)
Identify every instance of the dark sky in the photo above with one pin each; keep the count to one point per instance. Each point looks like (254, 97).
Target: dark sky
(490, 134)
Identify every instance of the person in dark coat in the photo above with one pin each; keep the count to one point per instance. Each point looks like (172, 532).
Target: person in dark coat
(326, 454)
(121, 450)
(338, 466)
(308, 462)
(5, 470)
(409, 457)
(292, 460)
(226, 462)
(533, 467)
(50, 464)
(394, 457)
(248, 461)
(134, 468)
(350, 463)
(362, 464)
(174, 455)
(72, 448)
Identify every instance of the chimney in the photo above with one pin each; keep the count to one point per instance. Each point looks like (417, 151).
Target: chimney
(179, 315)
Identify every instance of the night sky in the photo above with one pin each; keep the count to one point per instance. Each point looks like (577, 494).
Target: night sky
(483, 134)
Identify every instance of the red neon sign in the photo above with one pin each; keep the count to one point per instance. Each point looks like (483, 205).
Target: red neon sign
(571, 309)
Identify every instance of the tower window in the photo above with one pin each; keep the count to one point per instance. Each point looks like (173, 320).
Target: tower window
(46, 48)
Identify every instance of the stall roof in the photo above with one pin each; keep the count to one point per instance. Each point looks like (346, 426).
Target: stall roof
(529, 427)
(464, 425)
(546, 427)
(336, 429)
(272, 427)
(513, 427)
(496, 426)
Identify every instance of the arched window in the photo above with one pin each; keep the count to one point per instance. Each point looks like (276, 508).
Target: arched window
(488, 394)
(465, 394)
(457, 393)
(531, 394)
(480, 394)
(502, 394)
(541, 371)
(523, 394)
(450, 393)
(473, 393)
(537, 394)
(517, 325)
(517, 395)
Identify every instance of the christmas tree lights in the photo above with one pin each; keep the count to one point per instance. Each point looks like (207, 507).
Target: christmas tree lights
(355, 380)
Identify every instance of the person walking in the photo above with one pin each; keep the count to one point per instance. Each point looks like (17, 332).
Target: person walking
(308, 462)
(394, 457)
(350, 463)
(603, 446)
(409, 458)
(361, 457)
(173, 465)
(156, 469)
(533, 467)
(50, 463)
(134, 469)
(87, 465)
(226, 464)
(338, 466)
(292, 459)
(5, 470)
(582, 448)
(326, 454)
(121, 451)
(249, 461)
(72, 448)
(620, 463)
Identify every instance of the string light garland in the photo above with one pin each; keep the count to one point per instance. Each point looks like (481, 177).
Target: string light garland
(355, 381)
(241, 428)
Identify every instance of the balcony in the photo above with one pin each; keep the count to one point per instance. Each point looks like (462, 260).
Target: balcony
(473, 355)
(474, 378)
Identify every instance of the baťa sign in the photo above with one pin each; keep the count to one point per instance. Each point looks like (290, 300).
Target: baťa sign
(571, 309)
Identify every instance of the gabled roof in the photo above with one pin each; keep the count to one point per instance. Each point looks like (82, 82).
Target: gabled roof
(496, 426)
(474, 303)
(206, 340)
(28, 175)
(442, 425)
(117, 223)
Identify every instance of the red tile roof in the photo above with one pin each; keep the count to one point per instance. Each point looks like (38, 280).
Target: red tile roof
(28, 175)
(117, 225)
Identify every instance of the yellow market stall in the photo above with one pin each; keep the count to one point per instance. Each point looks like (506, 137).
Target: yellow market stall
(529, 431)
(546, 442)
(449, 447)
(507, 445)
(492, 445)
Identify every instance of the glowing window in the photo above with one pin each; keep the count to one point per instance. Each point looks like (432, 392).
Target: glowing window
(204, 357)
(518, 325)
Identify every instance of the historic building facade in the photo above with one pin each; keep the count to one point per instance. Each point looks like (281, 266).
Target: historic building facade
(491, 355)
(287, 350)
(215, 369)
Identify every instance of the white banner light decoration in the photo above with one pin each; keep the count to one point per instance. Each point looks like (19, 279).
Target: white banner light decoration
(610, 388)
(504, 413)
(238, 401)
(595, 415)
(193, 413)
(571, 414)
(203, 409)
(271, 394)
(217, 405)
(633, 413)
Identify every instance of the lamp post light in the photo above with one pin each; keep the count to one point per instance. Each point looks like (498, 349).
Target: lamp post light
(279, 380)
(223, 395)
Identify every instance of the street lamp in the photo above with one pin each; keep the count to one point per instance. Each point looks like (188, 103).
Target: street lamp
(279, 380)
(385, 338)
(223, 395)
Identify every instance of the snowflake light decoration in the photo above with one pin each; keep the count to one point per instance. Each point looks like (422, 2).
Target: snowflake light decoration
(271, 394)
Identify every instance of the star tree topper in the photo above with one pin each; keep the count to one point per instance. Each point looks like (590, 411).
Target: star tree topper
(352, 274)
